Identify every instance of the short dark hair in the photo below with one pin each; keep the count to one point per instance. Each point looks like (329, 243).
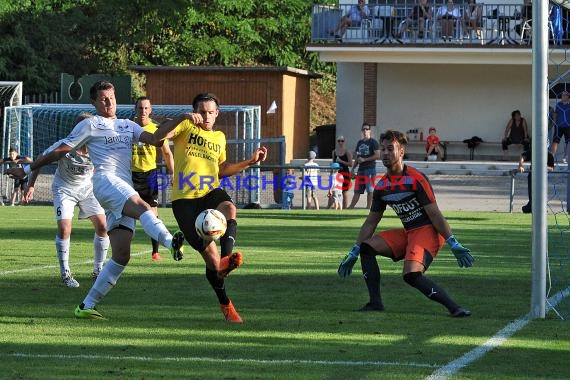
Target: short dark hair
(98, 86)
(391, 135)
(205, 97)
(139, 99)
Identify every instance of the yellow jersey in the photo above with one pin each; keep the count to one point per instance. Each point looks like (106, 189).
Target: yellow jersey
(197, 156)
(144, 155)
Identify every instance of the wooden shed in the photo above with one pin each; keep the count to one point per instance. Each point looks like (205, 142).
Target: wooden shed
(288, 87)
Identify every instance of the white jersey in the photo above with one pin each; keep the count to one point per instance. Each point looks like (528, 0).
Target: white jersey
(109, 142)
(74, 170)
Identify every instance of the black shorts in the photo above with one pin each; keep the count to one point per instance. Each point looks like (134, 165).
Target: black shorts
(20, 183)
(187, 210)
(559, 132)
(141, 184)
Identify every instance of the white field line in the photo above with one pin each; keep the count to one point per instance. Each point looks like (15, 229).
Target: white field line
(221, 360)
(495, 341)
(33, 269)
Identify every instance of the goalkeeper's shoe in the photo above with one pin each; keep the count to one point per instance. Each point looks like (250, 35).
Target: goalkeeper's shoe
(460, 313)
(229, 263)
(230, 313)
(372, 307)
(82, 313)
(68, 280)
(176, 247)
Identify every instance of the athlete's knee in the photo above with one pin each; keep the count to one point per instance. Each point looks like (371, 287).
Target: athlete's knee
(412, 277)
(366, 249)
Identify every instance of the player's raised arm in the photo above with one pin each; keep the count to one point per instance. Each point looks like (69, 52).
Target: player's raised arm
(41, 161)
(227, 169)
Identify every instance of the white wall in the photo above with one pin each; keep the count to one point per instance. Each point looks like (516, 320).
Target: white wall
(459, 100)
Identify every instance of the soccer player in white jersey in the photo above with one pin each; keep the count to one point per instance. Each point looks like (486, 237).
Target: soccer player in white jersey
(109, 142)
(72, 187)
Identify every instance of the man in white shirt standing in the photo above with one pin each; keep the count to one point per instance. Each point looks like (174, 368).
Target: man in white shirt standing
(72, 187)
(109, 141)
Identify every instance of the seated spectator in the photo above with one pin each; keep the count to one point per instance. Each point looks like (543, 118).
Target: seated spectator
(353, 18)
(448, 15)
(432, 145)
(516, 132)
(421, 12)
(472, 19)
(525, 15)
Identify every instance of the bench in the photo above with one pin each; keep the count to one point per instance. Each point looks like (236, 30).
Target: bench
(458, 151)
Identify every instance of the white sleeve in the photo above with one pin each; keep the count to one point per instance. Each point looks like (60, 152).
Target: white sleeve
(79, 135)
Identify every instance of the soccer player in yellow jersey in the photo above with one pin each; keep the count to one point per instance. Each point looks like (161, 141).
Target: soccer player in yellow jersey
(144, 163)
(199, 163)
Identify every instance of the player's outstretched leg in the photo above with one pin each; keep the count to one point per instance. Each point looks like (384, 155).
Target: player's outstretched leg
(435, 293)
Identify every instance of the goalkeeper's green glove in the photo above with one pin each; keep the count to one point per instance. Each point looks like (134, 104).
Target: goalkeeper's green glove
(345, 267)
(462, 254)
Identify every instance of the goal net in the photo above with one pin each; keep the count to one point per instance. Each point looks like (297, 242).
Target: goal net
(34, 127)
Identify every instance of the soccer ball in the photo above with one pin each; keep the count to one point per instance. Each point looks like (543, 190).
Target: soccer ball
(210, 224)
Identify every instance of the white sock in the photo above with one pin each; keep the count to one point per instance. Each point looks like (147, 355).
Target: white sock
(103, 284)
(100, 248)
(62, 249)
(155, 228)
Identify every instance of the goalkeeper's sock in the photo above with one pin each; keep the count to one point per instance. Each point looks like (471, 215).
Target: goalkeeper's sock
(218, 285)
(371, 273)
(228, 240)
(430, 289)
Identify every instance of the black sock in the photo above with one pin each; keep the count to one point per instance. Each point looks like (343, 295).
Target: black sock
(218, 285)
(228, 240)
(371, 273)
(430, 289)
(154, 245)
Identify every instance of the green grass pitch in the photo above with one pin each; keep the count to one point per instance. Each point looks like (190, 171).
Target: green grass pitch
(164, 320)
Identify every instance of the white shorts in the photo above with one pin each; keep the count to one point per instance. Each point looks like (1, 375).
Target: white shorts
(65, 200)
(112, 193)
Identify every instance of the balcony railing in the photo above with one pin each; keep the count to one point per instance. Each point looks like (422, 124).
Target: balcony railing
(396, 22)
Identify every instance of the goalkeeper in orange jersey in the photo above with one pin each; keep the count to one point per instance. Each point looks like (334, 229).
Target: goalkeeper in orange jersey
(410, 195)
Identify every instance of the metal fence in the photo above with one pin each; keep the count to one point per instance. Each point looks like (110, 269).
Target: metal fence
(396, 22)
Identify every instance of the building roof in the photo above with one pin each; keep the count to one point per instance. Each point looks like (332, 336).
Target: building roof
(278, 69)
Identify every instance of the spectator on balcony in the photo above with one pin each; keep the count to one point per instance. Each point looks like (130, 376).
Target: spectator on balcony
(418, 18)
(516, 132)
(448, 16)
(353, 18)
(472, 19)
(525, 17)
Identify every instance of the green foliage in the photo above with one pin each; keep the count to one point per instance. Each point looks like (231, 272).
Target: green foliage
(41, 39)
